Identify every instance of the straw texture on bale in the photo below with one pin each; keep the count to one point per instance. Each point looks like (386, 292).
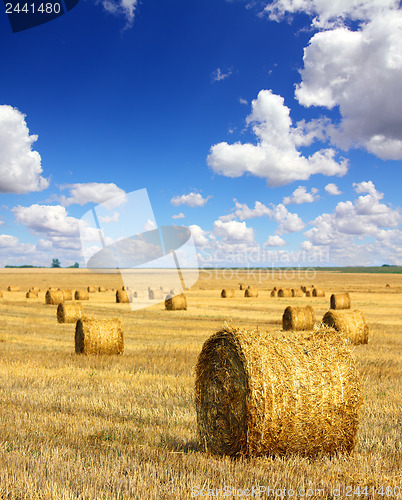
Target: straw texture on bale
(274, 293)
(31, 295)
(81, 295)
(297, 292)
(340, 301)
(13, 288)
(103, 336)
(176, 303)
(122, 297)
(298, 318)
(352, 324)
(54, 297)
(69, 313)
(251, 292)
(155, 294)
(102, 289)
(67, 294)
(227, 293)
(318, 292)
(284, 292)
(91, 289)
(258, 395)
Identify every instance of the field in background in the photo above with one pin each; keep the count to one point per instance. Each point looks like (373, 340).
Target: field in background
(125, 426)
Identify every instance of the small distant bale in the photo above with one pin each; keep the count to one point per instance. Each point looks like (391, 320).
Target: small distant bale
(176, 303)
(352, 324)
(284, 292)
(123, 287)
(251, 292)
(227, 293)
(137, 294)
(155, 294)
(309, 292)
(34, 289)
(69, 313)
(297, 292)
(303, 288)
(81, 295)
(240, 286)
(1, 295)
(275, 289)
(103, 336)
(13, 288)
(91, 289)
(274, 293)
(54, 297)
(258, 394)
(340, 301)
(67, 294)
(298, 318)
(122, 297)
(387, 285)
(31, 295)
(101, 289)
(318, 292)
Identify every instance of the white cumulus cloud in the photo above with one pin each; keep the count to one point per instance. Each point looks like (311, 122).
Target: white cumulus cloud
(276, 156)
(332, 189)
(124, 8)
(20, 165)
(178, 216)
(192, 200)
(301, 195)
(96, 192)
(275, 241)
(233, 231)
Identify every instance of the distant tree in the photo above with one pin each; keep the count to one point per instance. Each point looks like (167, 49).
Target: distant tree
(75, 266)
(56, 263)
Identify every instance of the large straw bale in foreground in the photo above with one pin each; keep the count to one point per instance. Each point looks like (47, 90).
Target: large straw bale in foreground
(318, 292)
(297, 292)
(352, 324)
(81, 295)
(54, 297)
(13, 288)
(298, 318)
(99, 336)
(227, 293)
(251, 292)
(257, 394)
(176, 302)
(284, 292)
(69, 313)
(122, 297)
(340, 301)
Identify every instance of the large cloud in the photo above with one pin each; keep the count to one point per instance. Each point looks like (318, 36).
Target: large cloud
(360, 72)
(276, 156)
(97, 192)
(20, 166)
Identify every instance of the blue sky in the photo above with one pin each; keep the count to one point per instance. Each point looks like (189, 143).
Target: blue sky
(266, 127)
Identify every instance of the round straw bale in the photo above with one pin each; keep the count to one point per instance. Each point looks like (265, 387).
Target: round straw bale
(309, 292)
(67, 294)
(101, 289)
(387, 285)
(54, 297)
(298, 318)
(155, 294)
(91, 289)
(297, 292)
(176, 303)
(284, 292)
(258, 394)
(274, 293)
(102, 336)
(275, 289)
(34, 289)
(122, 297)
(81, 295)
(352, 324)
(69, 313)
(13, 288)
(227, 293)
(303, 288)
(340, 301)
(251, 292)
(31, 295)
(318, 292)
(241, 286)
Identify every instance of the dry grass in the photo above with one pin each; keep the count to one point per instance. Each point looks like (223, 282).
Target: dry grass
(122, 427)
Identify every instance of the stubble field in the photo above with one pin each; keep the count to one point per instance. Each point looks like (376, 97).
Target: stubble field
(121, 427)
